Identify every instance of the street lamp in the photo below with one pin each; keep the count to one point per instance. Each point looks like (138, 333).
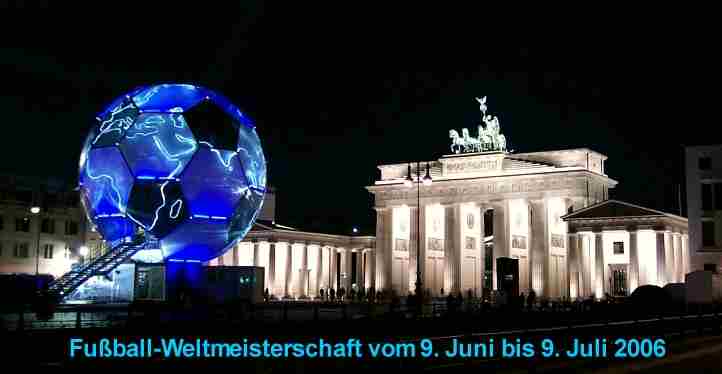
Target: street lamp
(409, 182)
(36, 210)
(82, 251)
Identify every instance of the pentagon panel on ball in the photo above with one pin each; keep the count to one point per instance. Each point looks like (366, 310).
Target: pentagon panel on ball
(177, 163)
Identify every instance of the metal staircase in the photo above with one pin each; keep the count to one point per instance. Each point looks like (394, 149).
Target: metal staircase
(120, 252)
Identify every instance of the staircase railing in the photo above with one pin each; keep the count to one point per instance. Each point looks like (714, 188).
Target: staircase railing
(120, 251)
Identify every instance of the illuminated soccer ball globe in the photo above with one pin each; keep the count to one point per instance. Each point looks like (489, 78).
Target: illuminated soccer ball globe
(180, 164)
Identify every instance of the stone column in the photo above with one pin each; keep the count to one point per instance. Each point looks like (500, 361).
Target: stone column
(359, 269)
(539, 246)
(501, 235)
(288, 286)
(678, 263)
(235, 254)
(371, 264)
(422, 248)
(319, 271)
(481, 261)
(303, 277)
(661, 259)
(271, 267)
(599, 273)
(383, 248)
(333, 266)
(685, 257)
(413, 237)
(669, 260)
(452, 248)
(586, 245)
(573, 265)
(346, 258)
(255, 245)
(633, 281)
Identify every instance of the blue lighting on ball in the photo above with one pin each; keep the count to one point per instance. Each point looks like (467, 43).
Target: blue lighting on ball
(181, 163)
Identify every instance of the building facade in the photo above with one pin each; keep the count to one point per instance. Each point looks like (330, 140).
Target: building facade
(615, 247)
(703, 168)
(524, 195)
(45, 240)
(297, 264)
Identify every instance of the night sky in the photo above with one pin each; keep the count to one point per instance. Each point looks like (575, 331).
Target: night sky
(336, 92)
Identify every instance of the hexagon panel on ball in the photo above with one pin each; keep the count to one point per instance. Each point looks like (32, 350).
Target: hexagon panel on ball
(179, 161)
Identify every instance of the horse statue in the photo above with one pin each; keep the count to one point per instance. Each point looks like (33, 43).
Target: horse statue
(470, 144)
(457, 143)
(501, 139)
(489, 137)
(485, 139)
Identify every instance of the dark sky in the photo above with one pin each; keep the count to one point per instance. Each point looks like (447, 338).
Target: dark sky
(335, 92)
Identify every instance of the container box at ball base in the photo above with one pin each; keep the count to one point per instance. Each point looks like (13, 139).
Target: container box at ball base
(229, 284)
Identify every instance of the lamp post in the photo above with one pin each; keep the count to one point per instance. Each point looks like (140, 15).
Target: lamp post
(83, 251)
(35, 210)
(409, 182)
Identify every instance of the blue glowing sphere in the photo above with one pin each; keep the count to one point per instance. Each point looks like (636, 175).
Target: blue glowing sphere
(177, 162)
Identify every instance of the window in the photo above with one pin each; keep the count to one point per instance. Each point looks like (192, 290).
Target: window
(48, 250)
(706, 196)
(710, 267)
(24, 196)
(705, 163)
(21, 250)
(72, 200)
(48, 226)
(71, 228)
(708, 239)
(50, 199)
(22, 224)
(618, 248)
